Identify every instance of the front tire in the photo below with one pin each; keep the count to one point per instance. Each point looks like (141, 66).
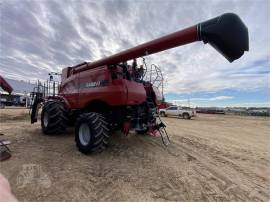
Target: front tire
(91, 133)
(53, 118)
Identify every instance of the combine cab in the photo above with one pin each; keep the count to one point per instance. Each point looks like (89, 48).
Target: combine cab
(112, 94)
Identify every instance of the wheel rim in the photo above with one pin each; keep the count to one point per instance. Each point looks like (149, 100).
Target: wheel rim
(84, 134)
(46, 119)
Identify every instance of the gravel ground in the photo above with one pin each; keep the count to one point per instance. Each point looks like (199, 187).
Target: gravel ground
(211, 158)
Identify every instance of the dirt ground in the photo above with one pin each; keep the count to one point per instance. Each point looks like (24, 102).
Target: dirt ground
(211, 158)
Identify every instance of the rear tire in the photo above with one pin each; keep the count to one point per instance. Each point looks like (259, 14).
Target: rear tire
(53, 118)
(162, 114)
(91, 133)
(186, 116)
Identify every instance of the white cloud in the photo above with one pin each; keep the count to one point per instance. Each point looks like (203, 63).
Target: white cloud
(201, 101)
(42, 36)
(204, 99)
(222, 98)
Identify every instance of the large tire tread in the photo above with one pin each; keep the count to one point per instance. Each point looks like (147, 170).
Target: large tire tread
(99, 132)
(58, 117)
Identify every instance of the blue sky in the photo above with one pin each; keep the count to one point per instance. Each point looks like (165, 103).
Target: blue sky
(38, 37)
(230, 98)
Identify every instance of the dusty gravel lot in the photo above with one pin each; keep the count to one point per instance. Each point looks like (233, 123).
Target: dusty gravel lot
(211, 158)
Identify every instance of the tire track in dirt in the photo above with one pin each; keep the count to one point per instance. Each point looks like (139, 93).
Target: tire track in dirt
(221, 156)
(188, 186)
(197, 166)
(226, 167)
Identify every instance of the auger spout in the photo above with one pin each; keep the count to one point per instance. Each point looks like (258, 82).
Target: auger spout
(226, 33)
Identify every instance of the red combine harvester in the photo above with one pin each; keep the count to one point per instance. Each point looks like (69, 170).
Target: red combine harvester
(109, 94)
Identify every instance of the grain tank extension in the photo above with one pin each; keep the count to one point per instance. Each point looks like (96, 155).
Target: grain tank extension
(109, 94)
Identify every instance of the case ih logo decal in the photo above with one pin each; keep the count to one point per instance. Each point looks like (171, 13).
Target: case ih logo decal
(95, 84)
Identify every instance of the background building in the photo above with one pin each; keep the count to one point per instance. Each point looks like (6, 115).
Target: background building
(20, 95)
